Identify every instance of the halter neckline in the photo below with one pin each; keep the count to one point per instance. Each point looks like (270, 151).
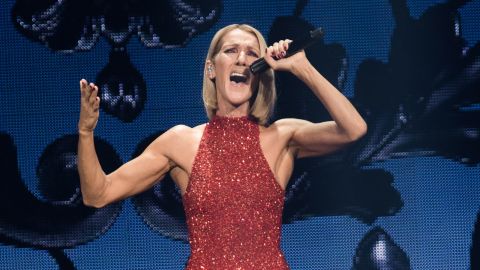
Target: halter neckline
(232, 119)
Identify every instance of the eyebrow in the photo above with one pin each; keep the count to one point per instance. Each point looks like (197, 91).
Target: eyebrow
(238, 44)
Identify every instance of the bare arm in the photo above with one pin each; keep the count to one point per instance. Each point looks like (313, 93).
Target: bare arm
(99, 189)
(318, 138)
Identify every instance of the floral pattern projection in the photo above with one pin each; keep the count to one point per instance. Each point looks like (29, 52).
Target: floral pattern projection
(421, 111)
(68, 26)
(426, 111)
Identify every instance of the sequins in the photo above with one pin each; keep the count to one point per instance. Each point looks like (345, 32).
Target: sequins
(233, 204)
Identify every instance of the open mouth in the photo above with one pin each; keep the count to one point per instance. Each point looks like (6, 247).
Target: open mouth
(237, 77)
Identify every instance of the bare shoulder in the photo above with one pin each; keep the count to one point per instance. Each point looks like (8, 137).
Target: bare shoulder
(182, 131)
(176, 138)
(178, 143)
(280, 132)
(291, 122)
(287, 126)
(283, 132)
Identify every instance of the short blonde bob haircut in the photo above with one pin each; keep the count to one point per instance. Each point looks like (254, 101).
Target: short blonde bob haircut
(263, 99)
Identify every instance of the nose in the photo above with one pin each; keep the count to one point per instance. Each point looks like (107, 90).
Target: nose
(242, 58)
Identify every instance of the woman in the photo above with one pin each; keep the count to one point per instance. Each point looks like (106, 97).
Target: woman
(232, 171)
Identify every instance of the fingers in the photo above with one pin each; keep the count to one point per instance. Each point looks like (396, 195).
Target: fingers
(286, 44)
(275, 55)
(83, 86)
(93, 89)
(279, 49)
(89, 91)
(96, 104)
(90, 105)
(269, 57)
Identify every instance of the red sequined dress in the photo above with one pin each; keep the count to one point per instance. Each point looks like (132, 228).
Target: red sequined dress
(233, 203)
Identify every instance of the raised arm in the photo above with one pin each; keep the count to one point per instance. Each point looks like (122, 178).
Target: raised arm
(312, 139)
(99, 189)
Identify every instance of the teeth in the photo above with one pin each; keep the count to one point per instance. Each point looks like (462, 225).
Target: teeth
(238, 74)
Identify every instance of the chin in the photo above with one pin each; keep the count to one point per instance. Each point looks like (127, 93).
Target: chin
(238, 101)
(239, 94)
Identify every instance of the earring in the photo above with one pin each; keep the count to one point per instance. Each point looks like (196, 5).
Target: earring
(210, 69)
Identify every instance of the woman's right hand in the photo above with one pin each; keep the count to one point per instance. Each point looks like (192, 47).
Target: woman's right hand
(89, 107)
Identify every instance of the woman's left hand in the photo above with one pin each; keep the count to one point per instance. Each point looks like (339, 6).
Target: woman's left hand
(275, 57)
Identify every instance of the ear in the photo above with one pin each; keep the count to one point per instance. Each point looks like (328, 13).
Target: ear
(210, 69)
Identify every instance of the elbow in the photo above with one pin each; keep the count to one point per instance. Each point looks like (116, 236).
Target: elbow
(363, 129)
(93, 203)
(358, 132)
(94, 196)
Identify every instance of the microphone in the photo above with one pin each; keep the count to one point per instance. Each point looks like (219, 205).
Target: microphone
(260, 65)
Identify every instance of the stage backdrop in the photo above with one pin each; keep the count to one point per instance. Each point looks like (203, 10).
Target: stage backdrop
(406, 196)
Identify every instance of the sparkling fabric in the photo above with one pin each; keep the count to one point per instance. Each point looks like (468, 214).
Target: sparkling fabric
(233, 203)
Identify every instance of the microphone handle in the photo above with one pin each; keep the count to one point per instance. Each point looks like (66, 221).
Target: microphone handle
(260, 65)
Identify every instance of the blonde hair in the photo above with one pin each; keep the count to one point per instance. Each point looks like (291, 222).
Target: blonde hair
(263, 98)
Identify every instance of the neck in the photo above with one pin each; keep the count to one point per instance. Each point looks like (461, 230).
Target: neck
(233, 111)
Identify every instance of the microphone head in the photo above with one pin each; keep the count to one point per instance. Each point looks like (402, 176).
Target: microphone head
(258, 66)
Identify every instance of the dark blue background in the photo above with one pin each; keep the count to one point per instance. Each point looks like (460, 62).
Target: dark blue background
(39, 102)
